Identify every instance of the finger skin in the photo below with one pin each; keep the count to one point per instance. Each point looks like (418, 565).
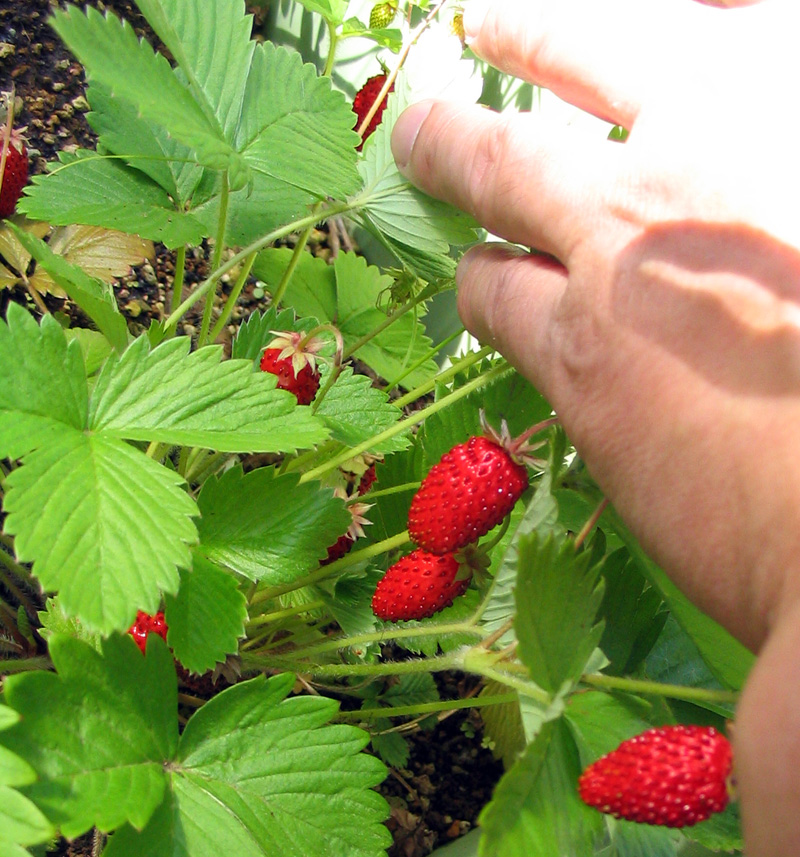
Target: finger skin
(522, 178)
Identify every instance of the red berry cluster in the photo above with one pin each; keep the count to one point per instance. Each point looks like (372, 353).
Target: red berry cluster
(147, 624)
(674, 776)
(467, 493)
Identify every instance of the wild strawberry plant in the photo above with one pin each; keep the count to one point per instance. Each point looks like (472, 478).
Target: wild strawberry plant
(152, 487)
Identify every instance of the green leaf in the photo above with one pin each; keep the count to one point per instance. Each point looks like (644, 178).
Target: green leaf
(295, 128)
(169, 395)
(391, 746)
(258, 774)
(729, 661)
(102, 523)
(256, 332)
(276, 531)
(359, 287)
(21, 824)
(94, 347)
(503, 725)
(55, 621)
(540, 515)
(206, 617)
(312, 288)
(91, 295)
(133, 72)
(347, 294)
(210, 41)
(602, 721)
(633, 614)
(722, 832)
(629, 839)
(145, 146)
(557, 597)
(355, 411)
(86, 188)
(418, 227)
(511, 398)
(332, 10)
(98, 732)
(536, 811)
(43, 389)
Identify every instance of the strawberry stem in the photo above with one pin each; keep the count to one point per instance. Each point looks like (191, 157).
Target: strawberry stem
(422, 360)
(222, 225)
(412, 420)
(591, 523)
(230, 303)
(654, 688)
(427, 707)
(455, 368)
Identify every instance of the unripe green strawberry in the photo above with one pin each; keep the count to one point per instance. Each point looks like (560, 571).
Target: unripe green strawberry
(381, 15)
(674, 776)
(419, 585)
(469, 492)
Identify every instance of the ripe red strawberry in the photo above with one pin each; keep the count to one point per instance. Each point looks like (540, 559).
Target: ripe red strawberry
(355, 531)
(293, 360)
(674, 776)
(419, 585)
(362, 103)
(469, 492)
(146, 624)
(15, 175)
(382, 14)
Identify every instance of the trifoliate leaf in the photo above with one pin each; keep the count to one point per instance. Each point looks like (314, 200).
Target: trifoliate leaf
(95, 347)
(144, 146)
(169, 395)
(132, 71)
(93, 296)
(205, 617)
(102, 523)
(257, 774)
(97, 732)
(557, 596)
(535, 810)
(210, 41)
(355, 411)
(86, 188)
(276, 531)
(295, 128)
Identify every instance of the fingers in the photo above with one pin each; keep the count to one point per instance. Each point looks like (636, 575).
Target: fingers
(520, 177)
(507, 298)
(602, 57)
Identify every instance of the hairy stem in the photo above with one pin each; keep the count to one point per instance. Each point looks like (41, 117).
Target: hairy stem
(427, 707)
(230, 303)
(222, 225)
(654, 688)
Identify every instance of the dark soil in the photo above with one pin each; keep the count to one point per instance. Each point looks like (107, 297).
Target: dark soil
(449, 776)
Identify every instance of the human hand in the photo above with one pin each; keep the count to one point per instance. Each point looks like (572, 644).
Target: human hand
(664, 326)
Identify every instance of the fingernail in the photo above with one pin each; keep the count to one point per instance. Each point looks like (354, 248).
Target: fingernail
(406, 129)
(474, 15)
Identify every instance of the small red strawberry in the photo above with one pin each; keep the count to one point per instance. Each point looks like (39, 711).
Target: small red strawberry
(368, 478)
(355, 531)
(382, 14)
(362, 103)
(291, 357)
(419, 585)
(467, 493)
(146, 624)
(674, 776)
(15, 174)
